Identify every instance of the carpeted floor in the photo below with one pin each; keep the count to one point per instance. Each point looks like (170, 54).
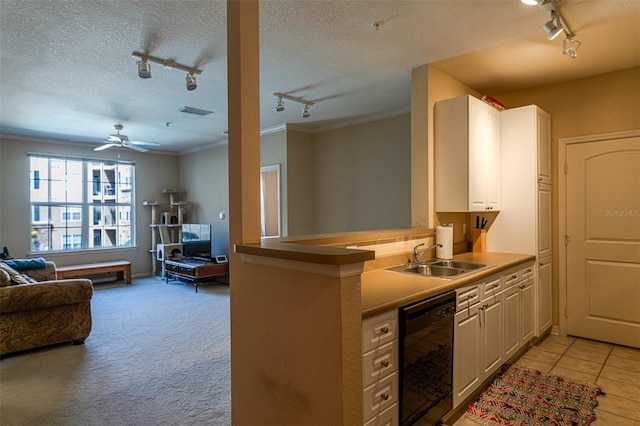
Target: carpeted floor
(158, 354)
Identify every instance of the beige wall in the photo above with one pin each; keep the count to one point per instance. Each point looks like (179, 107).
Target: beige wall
(601, 104)
(362, 178)
(354, 178)
(299, 211)
(204, 175)
(154, 172)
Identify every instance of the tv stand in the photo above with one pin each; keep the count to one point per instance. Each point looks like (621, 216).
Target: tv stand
(194, 270)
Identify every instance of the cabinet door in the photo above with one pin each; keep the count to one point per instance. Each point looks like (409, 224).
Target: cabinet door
(491, 340)
(484, 156)
(544, 221)
(526, 290)
(543, 121)
(544, 295)
(466, 353)
(511, 297)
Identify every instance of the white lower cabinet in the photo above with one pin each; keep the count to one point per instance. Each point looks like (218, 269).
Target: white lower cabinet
(380, 369)
(544, 318)
(478, 334)
(518, 303)
(494, 319)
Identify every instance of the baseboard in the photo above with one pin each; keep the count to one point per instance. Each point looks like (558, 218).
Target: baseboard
(555, 330)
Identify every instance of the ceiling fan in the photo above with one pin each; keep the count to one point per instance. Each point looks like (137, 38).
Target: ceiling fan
(123, 141)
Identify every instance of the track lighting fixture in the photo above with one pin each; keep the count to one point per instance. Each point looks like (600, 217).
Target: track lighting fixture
(556, 25)
(570, 47)
(191, 82)
(306, 110)
(144, 70)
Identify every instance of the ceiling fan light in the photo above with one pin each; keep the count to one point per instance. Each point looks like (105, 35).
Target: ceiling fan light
(306, 113)
(280, 105)
(191, 82)
(144, 69)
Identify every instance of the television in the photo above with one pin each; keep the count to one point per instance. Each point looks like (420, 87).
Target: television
(196, 240)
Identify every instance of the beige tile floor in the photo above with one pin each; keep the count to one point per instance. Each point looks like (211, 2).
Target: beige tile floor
(616, 369)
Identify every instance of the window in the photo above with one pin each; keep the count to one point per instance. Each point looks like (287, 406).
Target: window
(80, 204)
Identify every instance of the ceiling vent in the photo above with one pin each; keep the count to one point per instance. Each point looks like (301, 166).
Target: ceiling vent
(196, 111)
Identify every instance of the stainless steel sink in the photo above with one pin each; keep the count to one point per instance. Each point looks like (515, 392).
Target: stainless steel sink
(445, 269)
(433, 271)
(470, 266)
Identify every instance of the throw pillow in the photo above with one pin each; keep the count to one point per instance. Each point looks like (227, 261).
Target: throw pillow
(16, 277)
(26, 264)
(5, 279)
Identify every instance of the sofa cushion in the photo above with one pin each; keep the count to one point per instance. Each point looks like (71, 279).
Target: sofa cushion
(5, 279)
(15, 276)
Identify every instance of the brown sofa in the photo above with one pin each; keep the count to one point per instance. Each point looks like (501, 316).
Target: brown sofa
(44, 312)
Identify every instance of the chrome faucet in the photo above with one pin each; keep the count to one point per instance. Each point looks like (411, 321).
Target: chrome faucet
(417, 256)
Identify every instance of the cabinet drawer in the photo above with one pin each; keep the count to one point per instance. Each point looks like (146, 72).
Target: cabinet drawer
(511, 278)
(379, 330)
(527, 272)
(379, 362)
(380, 396)
(467, 296)
(388, 417)
(491, 287)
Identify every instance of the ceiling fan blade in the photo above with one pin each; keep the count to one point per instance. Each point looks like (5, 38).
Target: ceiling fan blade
(105, 146)
(137, 148)
(144, 143)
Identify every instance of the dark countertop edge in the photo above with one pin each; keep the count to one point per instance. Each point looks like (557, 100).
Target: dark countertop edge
(446, 286)
(306, 253)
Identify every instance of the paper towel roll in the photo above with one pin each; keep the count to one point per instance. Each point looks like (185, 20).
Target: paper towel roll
(444, 236)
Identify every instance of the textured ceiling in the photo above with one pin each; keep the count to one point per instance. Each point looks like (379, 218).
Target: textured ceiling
(66, 70)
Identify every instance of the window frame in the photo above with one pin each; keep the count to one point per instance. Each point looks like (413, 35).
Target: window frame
(65, 192)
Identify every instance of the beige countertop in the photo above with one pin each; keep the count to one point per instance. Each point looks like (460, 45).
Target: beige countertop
(384, 290)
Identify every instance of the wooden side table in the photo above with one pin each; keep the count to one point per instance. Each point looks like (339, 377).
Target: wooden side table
(195, 271)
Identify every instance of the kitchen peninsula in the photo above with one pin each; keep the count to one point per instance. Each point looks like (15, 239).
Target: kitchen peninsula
(310, 297)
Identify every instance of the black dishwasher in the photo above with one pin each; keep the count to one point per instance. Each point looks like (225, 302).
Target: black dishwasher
(426, 354)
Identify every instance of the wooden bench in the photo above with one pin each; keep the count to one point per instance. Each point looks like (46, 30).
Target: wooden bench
(121, 267)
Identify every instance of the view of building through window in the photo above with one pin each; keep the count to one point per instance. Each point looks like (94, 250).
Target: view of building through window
(80, 204)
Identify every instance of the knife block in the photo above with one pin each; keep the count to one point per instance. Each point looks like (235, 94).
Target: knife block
(479, 240)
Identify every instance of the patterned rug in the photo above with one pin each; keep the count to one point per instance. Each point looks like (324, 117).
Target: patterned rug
(521, 396)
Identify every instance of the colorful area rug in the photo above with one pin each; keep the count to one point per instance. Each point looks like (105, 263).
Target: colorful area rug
(521, 396)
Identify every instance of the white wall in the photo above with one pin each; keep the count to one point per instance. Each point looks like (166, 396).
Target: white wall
(154, 172)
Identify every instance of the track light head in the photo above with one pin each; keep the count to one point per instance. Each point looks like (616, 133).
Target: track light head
(550, 27)
(191, 82)
(280, 105)
(570, 47)
(144, 70)
(306, 113)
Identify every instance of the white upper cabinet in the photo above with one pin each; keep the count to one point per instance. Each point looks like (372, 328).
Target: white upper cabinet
(467, 155)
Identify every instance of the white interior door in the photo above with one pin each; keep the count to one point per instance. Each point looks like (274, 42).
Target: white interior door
(603, 229)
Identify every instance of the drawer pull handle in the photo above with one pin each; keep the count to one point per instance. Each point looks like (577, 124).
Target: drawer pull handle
(384, 363)
(384, 330)
(385, 396)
